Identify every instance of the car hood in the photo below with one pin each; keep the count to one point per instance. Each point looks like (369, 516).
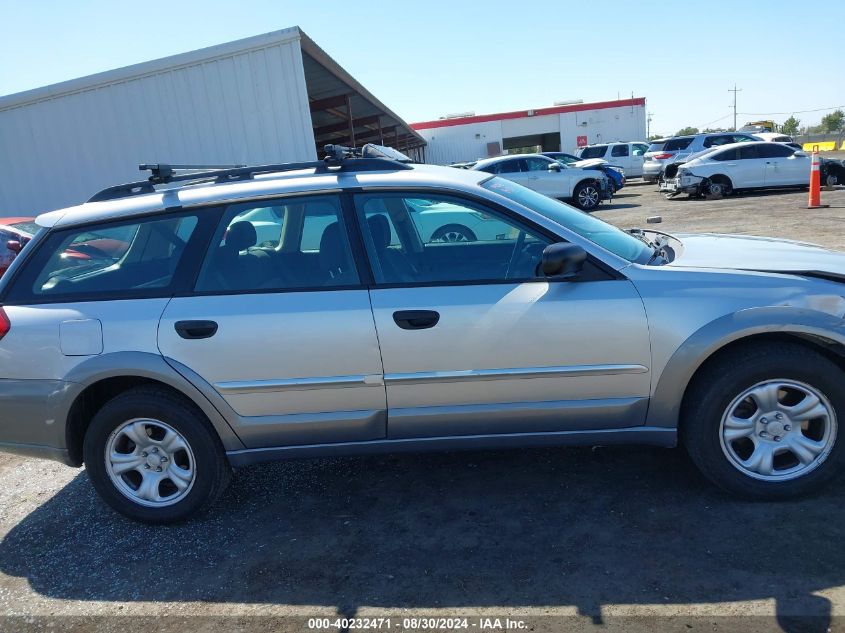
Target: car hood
(589, 162)
(741, 252)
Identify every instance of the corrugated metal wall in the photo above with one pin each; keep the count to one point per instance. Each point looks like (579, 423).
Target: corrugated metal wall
(244, 106)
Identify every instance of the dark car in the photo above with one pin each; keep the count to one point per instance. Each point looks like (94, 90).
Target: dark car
(615, 175)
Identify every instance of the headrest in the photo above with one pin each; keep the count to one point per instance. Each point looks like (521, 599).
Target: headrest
(379, 230)
(241, 235)
(332, 252)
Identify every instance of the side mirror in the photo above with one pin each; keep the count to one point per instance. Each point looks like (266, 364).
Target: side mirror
(800, 154)
(15, 246)
(555, 166)
(563, 261)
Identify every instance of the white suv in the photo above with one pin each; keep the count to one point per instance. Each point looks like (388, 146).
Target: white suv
(628, 156)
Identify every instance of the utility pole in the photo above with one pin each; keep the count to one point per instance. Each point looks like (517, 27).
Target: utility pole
(735, 90)
(648, 125)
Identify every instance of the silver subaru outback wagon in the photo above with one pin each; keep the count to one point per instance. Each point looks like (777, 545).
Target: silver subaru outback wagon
(171, 329)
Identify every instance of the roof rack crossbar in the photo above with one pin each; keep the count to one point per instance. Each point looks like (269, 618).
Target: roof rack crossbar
(337, 160)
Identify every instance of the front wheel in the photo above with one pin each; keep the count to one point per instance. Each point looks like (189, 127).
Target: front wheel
(586, 196)
(153, 457)
(763, 421)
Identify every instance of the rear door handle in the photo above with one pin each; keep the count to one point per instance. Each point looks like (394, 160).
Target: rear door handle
(416, 319)
(196, 329)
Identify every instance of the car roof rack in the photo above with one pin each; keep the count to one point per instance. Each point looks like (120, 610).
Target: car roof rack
(338, 159)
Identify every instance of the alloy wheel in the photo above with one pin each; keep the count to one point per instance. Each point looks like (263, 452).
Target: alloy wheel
(150, 462)
(588, 197)
(778, 430)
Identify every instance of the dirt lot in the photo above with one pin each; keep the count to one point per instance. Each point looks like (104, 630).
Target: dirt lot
(610, 538)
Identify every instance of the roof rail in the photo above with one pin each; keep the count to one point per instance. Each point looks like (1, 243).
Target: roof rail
(338, 159)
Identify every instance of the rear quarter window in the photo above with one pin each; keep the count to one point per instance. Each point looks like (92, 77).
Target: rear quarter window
(109, 261)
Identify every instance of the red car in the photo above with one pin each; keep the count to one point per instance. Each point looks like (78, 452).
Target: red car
(14, 234)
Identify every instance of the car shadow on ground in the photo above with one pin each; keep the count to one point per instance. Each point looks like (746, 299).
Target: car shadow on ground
(542, 527)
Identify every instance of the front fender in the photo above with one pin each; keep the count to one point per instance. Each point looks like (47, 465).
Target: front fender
(665, 407)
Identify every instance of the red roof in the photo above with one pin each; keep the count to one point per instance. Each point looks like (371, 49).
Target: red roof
(483, 118)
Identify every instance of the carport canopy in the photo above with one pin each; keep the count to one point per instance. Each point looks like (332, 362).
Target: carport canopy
(343, 112)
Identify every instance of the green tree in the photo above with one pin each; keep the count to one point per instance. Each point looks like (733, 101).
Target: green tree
(834, 122)
(684, 131)
(790, 126)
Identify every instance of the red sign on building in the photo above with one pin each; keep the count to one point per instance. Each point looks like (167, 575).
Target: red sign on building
(581, 141)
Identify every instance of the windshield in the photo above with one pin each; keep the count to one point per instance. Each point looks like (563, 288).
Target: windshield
(597, 231)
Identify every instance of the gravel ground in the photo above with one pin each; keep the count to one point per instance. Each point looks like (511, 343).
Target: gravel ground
(561, 539)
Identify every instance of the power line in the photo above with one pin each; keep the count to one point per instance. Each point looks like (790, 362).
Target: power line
(792, 111)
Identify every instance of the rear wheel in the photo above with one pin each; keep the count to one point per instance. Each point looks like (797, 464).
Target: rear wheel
(153, 457)
(762, 422)
(586, 196)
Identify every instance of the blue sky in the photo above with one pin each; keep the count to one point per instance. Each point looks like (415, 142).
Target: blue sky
(427, 59)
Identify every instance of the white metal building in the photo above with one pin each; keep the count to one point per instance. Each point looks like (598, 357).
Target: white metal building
(266, 99)
(560, 128)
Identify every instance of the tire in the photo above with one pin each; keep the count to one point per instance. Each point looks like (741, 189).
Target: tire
(454, 233)
(178, 442)
(586, 196)
(713, 410)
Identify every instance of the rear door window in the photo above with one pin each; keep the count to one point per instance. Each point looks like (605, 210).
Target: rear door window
(748, 152)
(512, 166)
(774, 151)
(537, 164)
(675, 144)
(619, 150)
(715, 141)
(292, 243)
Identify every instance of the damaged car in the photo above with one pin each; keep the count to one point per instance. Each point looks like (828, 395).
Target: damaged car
(743, 166)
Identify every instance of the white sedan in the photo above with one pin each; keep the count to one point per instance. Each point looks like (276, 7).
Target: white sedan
(585, 188)
(721, 171)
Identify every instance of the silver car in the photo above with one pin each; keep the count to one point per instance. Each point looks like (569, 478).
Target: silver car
(663, 152)
(189, 347)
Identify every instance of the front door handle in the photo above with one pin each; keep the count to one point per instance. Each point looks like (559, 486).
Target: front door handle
(416, 319)
(196, 329)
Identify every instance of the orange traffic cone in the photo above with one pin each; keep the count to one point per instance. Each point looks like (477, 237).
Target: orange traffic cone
(815, 201)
